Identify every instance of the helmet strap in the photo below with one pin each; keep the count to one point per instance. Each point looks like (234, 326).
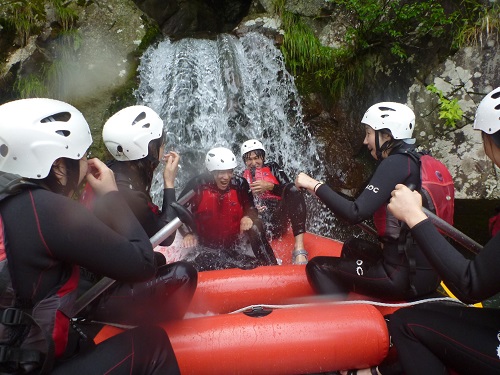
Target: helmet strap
(378, 151)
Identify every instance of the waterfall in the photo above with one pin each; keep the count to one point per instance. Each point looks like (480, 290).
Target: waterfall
(222, 92)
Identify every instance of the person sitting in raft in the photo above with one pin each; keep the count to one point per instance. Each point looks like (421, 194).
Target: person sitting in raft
(45, 235)
(376, 269)
(134, 137)
(435, 337)
(277, 199)
(223, 209)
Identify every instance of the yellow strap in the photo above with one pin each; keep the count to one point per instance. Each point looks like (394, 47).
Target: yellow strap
(450, 294)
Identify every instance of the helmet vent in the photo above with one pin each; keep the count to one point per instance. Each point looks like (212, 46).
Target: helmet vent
(64, 133)
(386, 109)
(140, 117)
(119, 149)
(497, 107)
(496, 95)
(4, 150)
(61, 116)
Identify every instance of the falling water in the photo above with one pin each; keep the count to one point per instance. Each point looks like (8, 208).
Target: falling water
(221, 93)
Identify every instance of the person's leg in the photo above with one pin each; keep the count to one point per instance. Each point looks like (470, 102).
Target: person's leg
(163, 298)
(295, 209)
(432, 338)
(143, 350)
(337, 276)
(260, 246)
(358, 248)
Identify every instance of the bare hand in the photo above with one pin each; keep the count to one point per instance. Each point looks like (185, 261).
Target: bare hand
(306, 182)
(189, 240)
(406, 205)
(171, 167)
(245, 223)
(261, 186)
(100, 177)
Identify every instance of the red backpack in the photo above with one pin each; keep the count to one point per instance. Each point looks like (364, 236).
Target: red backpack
(436, 187)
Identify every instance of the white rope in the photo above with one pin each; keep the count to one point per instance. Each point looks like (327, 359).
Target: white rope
(352, 302)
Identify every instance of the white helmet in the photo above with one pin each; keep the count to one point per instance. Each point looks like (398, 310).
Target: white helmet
(128, 132)
(35, 132)
(396, 117)
(220, 159)
(488, 113)
(251, 145)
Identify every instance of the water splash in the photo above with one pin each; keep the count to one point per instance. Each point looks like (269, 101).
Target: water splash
(221, 93)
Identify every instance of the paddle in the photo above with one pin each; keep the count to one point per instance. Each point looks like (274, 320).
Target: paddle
(183, 217)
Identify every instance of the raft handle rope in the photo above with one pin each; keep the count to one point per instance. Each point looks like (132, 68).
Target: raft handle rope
(353, 302)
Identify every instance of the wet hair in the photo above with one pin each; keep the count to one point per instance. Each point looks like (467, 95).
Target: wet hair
(145, 167)
(53, 183)
(259, 153)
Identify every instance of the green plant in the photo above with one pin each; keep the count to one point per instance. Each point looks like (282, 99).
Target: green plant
(475, 21)
(30, 86)
(449, 110)
(65, 14)
(395, 24)
(25, 16)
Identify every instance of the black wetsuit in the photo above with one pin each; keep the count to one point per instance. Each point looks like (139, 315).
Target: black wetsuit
(278, 212)
(220, 243)
(47, 234)
(380, 271)
(432, 338)
(169, 294)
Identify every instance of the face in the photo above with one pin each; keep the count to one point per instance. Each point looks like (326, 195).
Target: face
(369, 141)
(223, 178)
(254, 161)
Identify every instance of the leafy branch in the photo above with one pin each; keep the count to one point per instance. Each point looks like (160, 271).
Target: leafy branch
(449, 110)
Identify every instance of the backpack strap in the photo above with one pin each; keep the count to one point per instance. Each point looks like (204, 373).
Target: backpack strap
(407, 244)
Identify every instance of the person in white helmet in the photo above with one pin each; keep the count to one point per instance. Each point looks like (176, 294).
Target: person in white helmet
(134, 136)
(277, 199)
(435, 338)
(382, 269)
(223, 210)
(45, 235)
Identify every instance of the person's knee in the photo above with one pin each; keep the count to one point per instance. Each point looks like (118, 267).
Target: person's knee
(181, 271)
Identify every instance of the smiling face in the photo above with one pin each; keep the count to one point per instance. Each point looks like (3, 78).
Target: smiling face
(252, 160)
(223, 178)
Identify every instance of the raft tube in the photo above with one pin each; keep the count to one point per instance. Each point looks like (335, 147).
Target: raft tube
(301, 340)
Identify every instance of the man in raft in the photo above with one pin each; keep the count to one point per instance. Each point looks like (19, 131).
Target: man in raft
(277, 199)
(223, 210)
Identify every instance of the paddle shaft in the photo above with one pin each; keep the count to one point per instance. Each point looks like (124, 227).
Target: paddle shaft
(105, 283)
(453, 232)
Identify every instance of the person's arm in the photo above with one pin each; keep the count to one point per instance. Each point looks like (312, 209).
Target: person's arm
(246, 197)
(391, 171)
(470, 280)
(110, 242)
(282, 178)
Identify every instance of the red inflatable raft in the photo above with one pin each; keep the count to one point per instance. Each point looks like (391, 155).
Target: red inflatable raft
(298, 339)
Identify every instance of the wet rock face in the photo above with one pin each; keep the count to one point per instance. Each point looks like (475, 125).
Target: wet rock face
(467, 76)
(183, 17)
